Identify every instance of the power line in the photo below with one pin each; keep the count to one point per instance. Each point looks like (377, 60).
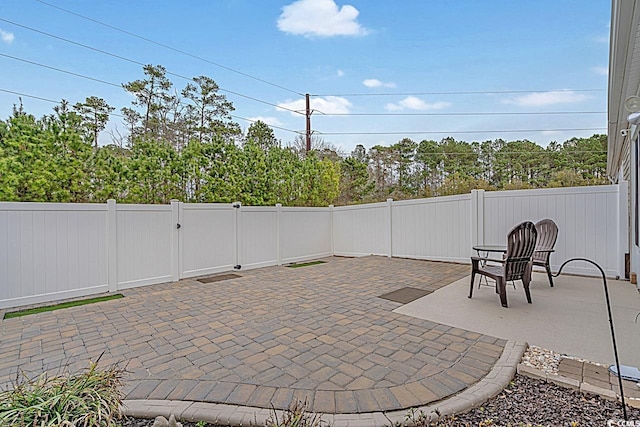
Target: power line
(480, 92)
(502, 113)
(104, 52)
(271, 126)
(300, 133)
(61, 70)
(462, 131)
(45, 99)
(295, 111)
(168, 47)
(53, 101)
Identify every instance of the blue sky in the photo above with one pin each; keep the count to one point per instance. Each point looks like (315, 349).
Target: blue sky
(414, 64)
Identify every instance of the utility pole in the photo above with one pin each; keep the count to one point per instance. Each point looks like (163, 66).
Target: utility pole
(308, 114)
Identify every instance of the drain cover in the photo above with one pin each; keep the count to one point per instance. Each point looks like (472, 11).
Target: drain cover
(405, 295)
(218, 278)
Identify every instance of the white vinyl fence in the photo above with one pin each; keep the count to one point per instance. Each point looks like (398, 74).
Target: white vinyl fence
(52, 251)
(592, 224)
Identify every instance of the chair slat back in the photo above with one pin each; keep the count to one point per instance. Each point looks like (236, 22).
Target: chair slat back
(521, 242)
(547, 236)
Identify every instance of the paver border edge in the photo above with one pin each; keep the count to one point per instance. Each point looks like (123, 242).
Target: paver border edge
(233, 415)
(575, 384)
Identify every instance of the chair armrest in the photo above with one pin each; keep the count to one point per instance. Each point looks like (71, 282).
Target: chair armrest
(477, 259)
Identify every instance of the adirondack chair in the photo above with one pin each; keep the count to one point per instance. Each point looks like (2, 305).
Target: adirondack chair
(516, 265)
(547, 236)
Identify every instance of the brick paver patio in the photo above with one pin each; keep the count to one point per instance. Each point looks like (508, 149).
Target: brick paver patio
(319, 333)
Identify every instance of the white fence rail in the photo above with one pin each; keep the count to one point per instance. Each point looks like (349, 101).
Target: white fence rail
(51, 251)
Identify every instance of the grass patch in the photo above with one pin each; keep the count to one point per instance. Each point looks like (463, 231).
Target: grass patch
(305, 264)
(89, 398)
(68, 304)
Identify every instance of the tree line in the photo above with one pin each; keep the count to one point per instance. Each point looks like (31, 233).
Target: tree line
(184, 145)
(408, 169)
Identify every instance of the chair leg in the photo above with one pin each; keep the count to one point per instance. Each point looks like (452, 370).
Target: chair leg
(548, 268)
(473, 275)
(529, 271)
(502, 288)
(527, 292)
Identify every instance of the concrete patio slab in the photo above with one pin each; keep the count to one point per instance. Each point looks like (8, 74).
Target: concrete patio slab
(570, 318)
(275, 335)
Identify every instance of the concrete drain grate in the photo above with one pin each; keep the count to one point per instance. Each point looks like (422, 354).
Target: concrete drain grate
(405, 295)
(218, 278)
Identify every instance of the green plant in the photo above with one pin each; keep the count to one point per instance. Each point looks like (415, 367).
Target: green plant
(201, 424)
(89, 398)
(296, 416)
(53, 307)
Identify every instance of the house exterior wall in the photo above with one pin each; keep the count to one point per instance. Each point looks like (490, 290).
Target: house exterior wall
(624, 82)
(634, 217)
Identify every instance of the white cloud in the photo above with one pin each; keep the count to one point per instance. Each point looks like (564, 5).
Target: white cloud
(415, 103)
(377, 83)
(340, 73)
(320, 18)
(541, 99)
(328, 105)
(603, 71)
(271, 121)
(6, 36)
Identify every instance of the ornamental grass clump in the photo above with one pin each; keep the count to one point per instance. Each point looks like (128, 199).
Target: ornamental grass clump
(90, 398)
(296, 416)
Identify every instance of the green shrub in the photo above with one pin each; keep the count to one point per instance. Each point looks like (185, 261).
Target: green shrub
(89, 398)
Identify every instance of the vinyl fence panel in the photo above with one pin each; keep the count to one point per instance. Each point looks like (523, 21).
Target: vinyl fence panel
(305, 233)
(362, 230)
(436, 229)
(588, 220)
(208, 238)
(258, 236)
(51, 251)
(144, 236)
